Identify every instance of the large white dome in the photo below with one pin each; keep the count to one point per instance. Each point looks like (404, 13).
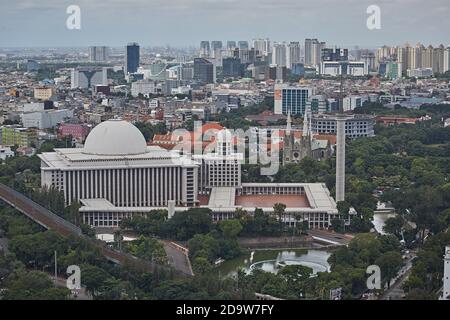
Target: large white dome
(115, 137)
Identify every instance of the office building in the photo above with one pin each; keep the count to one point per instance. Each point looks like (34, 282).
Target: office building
(334, 54)
(15, 135)
(290, 99)
(351, 68)
(242, 45)
(262, 46)
(313, 52)
(132, 58)
(143, 87)
(279, 54)
(293, 54)
(205, 50)
(231, 67)
(204, 71)
(98, 54)
(86, 78)
(45, 119)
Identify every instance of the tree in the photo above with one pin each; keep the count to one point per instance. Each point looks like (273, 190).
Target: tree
(279, 209)
(389, 263)
(394, 225)
(34, 285)
(230, 228)
(94, 279)
(184, 225)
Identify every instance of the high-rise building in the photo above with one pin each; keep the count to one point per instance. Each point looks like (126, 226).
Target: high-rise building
(231, 67)
(262, 46)
(231, 44)
(427, 57)
(334, 54)
(216, 49)
(86, 78)
(290, 99)
(313, 52)
(447, 59)
(438, 59)
(205, 50)
(204, 70)
(402, 58)
(293, 54)
(132, 56)
(279, 54)
(243, 45)
(98, 54)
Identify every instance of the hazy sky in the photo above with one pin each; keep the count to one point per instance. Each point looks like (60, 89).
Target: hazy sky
(186, 22)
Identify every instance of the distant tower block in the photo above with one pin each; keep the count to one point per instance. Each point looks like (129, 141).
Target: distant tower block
(340, 158)
(446, 288)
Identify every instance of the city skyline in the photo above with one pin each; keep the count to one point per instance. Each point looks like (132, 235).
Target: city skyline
(186, 23)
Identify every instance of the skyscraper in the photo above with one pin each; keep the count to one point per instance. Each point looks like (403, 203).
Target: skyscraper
(231, 44)
(279, 54)
(131, 58)
(216, 49)
(231, 67)
(98, 54)
(293, 54)
(313, 52)
(243, 45)
(205, 50)
(262, 46)
(203, 70)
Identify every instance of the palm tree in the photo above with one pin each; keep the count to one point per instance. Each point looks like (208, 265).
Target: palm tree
(279, 209)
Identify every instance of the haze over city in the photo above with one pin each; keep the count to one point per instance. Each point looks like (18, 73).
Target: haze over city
(186, 22)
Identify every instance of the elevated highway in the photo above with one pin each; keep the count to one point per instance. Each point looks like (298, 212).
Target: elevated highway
(51, 221)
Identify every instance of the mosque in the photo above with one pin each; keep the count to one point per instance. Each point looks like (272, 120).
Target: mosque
(117, 175)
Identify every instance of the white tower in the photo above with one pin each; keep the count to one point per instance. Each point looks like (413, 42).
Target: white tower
(340, 158)
(446, 288)
(340, 146)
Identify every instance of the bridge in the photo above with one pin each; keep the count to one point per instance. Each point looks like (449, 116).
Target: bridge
(51, 221)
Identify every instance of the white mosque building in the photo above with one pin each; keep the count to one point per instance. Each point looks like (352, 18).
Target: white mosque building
(116, 175)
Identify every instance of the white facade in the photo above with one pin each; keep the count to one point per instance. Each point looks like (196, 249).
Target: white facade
(446, 287)
(86, 78)
(355, 125)
(46, 119)
(293, 54)
(335, 68)
(117, 166)
(279, 54)
(5, 152)
(116, 175)
(144, 87)
(420, 73)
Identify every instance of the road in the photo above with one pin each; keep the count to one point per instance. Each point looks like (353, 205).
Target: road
(178, 259)
(395, 292)
(81, 294)
(331, 238)
(51, 221)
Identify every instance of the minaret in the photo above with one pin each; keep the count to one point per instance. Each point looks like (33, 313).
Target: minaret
(446, 287)
(340, 147)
